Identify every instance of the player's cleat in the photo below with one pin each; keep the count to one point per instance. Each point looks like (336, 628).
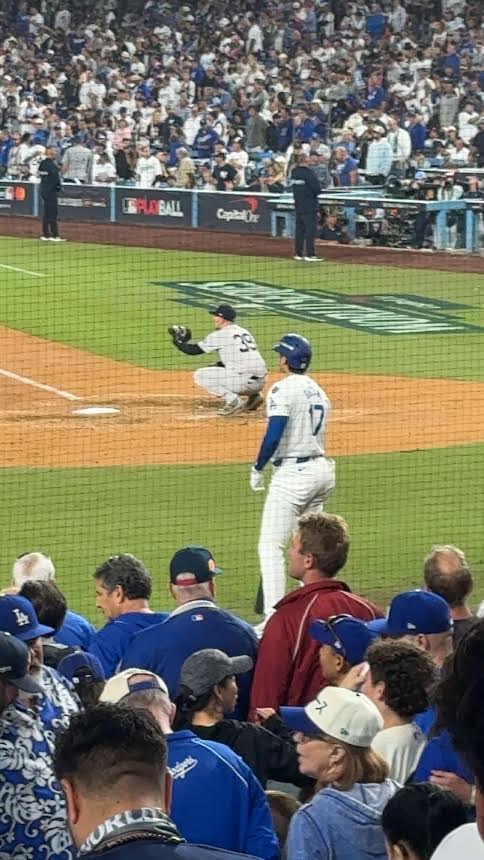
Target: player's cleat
(233, 406)
(314, 259)
(58, 239)
(45, 238)
(297, 257)
(254, 401)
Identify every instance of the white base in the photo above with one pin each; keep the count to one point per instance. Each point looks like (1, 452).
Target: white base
(96, 410)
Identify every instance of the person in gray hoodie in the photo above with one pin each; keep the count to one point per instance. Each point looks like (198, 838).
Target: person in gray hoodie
(333, 737)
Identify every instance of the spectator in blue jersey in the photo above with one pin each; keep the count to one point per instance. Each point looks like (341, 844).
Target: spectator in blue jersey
(423, 618)
(195, 624)
(76, 630)
(33, 819)
(345, 168)
(6, 144)
(304, 126)
(123, 590)
(417, 131)
(112, 764)
(50, 606)
(216, 800)
(375, 22)
(285, 129)
(205, 139)
(58, 703)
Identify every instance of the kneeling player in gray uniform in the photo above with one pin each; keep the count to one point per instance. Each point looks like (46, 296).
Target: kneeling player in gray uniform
(241, 370)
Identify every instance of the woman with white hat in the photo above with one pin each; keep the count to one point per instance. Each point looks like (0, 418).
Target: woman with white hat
(333, 737)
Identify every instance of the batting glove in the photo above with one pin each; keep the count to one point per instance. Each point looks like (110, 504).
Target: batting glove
(256, 480)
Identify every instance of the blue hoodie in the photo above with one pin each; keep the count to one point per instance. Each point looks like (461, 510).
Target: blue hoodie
(341, 825)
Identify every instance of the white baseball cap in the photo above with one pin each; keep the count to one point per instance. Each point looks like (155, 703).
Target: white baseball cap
(120, 686)
(340, 714)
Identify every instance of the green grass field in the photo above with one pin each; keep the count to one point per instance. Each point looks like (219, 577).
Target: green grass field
(112, 301)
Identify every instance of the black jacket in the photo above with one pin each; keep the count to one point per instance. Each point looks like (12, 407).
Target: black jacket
(49, 177)
(268, 750)
(148, 849)
(305, 188)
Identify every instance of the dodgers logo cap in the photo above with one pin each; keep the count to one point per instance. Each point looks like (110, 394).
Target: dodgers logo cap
(122, 685)
(81, 666)
(227, 312)
(18, 617)
(193, 564)
(413, 612)
(14, 661)
(348, 636)
(337, 713)
(204, 669)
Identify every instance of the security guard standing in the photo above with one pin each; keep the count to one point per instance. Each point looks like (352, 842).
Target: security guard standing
(50, 185)
(305, 189)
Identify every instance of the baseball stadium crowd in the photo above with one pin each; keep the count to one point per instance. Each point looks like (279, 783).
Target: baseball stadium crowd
(206, 95)
(341, 734)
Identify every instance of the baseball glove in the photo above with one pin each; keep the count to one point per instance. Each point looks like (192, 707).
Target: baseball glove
(180, 333)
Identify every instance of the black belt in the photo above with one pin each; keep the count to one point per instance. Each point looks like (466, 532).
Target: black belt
(281, 460)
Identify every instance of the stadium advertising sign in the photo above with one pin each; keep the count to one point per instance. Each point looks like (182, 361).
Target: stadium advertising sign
(234, 213)
(154, 207)
(388, 313)
(84, 203)
(16, 198)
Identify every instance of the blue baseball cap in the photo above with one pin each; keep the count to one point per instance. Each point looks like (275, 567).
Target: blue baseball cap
(191, 565)
(346, 635)
(414, 612)
(81, 666)
(19, 618)
(14, 662)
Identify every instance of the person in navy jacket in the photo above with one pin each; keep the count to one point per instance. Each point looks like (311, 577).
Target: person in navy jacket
(195, 624)
(123, 590)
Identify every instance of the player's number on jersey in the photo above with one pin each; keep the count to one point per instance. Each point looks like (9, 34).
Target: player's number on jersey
(246, 342)
(316, 412)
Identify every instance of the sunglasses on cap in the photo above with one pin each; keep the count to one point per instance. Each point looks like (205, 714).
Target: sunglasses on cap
(330, 622)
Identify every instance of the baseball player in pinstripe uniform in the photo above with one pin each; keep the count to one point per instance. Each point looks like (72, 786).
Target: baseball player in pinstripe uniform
(303, 477)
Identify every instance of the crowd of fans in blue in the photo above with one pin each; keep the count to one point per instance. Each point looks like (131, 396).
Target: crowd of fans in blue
(180, 734)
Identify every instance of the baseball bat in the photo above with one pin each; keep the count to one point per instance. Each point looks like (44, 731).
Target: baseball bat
(259, 600)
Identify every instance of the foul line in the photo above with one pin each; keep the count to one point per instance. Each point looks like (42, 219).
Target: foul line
(23, 271)
(60, 393)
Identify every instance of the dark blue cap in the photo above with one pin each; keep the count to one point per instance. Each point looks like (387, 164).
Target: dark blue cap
(346, 635)
(414, 612)
(192, 564)
(14, 661)
(227, 312)
(81, 666)
(18, 617)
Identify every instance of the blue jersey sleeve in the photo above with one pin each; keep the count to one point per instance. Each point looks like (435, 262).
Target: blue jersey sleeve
(275, 428)
(108, 645)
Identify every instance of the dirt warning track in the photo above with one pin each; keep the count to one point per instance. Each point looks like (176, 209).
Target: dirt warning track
(164, 418)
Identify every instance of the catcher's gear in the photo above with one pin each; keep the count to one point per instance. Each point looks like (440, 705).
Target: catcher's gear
(180, 333)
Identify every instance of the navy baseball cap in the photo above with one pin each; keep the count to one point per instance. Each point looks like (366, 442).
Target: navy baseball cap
(227, 312)
(346, 635)
(18, 617)
(14, 661)
(81, 666)
(193, 564)
(414, 612)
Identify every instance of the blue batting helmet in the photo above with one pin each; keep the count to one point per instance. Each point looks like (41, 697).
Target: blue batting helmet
(297, 350)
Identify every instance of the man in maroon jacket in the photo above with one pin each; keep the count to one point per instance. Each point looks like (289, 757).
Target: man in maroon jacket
(287, 670)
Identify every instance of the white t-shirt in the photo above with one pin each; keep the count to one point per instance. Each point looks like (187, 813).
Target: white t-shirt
(237, 350)
(462, 842)
(147, 169)
(401, 747)
(307, 407)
